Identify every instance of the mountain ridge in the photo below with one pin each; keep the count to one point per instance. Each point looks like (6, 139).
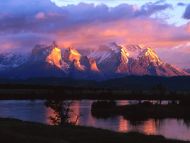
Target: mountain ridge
(109, 61)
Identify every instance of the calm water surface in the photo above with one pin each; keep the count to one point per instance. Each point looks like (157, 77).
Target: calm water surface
(36, 111)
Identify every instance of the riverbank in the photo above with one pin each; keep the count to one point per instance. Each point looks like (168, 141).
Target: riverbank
(129, 88)
(61, 92)
(141, 111)
(18, 131)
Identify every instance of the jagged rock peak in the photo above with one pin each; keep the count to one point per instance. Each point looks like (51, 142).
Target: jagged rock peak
(55, 57)
(93, 65)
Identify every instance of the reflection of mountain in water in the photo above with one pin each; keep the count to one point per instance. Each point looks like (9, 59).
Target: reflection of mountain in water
(163, 127)
(60, 112)
(123, 125)
(149, 127)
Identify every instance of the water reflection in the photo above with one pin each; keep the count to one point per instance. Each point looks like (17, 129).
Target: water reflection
(53, 111)
(123, 125)
(149, 127)
(50, 113)
(60, 112)
(75, 114)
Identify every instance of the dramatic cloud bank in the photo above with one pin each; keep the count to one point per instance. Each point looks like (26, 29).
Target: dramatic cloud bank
(85, 25)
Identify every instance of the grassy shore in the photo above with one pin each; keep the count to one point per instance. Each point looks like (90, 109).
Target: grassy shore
(26, 132)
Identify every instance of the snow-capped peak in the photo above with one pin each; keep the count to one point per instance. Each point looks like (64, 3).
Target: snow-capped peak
(105, 52)
(11, 60)
(55, 57)
(115, 47)
(108, 59)
(134, 50)
(93, 65)
(151, 55)
(73, 55)
(124, 56)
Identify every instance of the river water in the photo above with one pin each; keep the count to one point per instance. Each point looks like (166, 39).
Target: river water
(36, 111)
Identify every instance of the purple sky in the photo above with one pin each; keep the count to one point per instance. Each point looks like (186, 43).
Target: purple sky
(163, 25)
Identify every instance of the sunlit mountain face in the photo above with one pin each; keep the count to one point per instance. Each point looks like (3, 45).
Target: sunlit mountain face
(109, 61)
(94, 39)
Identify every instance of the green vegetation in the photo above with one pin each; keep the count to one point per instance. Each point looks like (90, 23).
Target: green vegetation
(15, 131)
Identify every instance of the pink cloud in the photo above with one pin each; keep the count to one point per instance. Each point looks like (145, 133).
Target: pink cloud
(145, 31)
(88, 26)
(40, 15)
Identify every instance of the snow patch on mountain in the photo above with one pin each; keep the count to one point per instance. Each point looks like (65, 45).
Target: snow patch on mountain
(107, 61)
(11, 60)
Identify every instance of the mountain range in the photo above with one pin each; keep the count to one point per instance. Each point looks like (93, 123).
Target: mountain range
(108, 61)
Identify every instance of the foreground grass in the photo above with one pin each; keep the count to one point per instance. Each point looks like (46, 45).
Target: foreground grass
(15, 131)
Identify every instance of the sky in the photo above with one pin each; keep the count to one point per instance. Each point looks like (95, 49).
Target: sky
(163, 25)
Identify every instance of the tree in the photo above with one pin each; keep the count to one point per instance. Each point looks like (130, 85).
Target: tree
(62, 111)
